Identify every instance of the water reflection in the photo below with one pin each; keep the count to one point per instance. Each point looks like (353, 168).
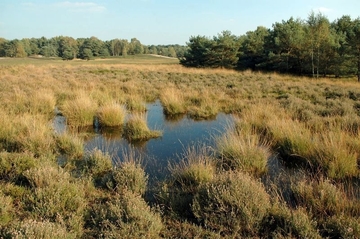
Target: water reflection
(177, 135)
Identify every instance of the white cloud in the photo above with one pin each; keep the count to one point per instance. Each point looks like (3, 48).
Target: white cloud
(323, 10)
(81, 6)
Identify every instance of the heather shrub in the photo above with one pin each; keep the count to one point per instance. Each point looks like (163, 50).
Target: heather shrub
(126, 215)
(233, 204)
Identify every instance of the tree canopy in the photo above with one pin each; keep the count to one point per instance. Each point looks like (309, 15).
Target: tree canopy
(313, 46)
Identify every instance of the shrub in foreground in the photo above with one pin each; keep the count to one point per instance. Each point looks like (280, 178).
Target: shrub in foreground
(55, 198)
(288, 223)
(232, 204)
(129, 175)
(195, 169)
(125, 216)
(39, 230)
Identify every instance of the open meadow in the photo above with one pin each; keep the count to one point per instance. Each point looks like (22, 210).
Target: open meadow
(288, 166)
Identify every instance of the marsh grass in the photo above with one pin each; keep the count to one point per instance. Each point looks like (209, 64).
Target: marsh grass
(244, 151)
(111, 115)
(312, 124)
(70, 145)
(172, 100)
(136, 129)
(202, 105)
(79, 111)
(197, 167)
(33, 134)
(134, 103)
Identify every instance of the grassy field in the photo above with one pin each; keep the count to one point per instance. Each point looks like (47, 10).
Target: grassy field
(131, 59)
(312, 126)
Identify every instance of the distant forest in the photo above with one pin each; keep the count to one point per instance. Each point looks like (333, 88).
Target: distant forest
(69, 48)
(313, 46)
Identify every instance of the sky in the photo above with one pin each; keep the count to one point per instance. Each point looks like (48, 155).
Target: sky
(156, 22)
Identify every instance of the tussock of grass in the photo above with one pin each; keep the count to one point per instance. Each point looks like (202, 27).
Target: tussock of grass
(70, 145)
(202, 105)
(34, 135)
(173, 101)
(80, 111)
(136, 129)
(243, 151)
(111, 115)
(196, 168)
(135, 104)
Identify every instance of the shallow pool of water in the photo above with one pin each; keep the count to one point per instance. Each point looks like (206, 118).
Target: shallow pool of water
(156, 154)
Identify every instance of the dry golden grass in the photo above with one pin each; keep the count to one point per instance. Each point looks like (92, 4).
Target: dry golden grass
(302, 119)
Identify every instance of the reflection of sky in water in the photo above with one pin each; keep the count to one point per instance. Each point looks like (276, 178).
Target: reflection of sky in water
(177, 135)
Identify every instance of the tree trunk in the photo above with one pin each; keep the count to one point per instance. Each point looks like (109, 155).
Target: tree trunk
(312, 63)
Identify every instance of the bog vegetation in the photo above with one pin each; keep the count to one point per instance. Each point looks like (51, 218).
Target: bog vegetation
(310, 127)
(289, 166)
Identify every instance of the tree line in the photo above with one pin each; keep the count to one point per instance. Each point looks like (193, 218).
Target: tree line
(69, 48)
(314, 46)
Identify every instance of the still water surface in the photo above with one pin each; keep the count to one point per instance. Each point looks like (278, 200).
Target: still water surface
(156, 154)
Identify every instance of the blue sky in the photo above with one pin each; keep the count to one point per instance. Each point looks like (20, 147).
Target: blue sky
(155, 21)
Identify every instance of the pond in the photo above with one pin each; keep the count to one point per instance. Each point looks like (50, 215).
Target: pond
(178, 134)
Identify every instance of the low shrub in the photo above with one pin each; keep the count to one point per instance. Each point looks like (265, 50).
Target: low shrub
(322, 198)
(341, 227)
(129, 175)
(96, 165)
(233, 204)
(282, 222)
(13, 165)
(125, 216)
(6, 209)
(38, 229)
(55, 198)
